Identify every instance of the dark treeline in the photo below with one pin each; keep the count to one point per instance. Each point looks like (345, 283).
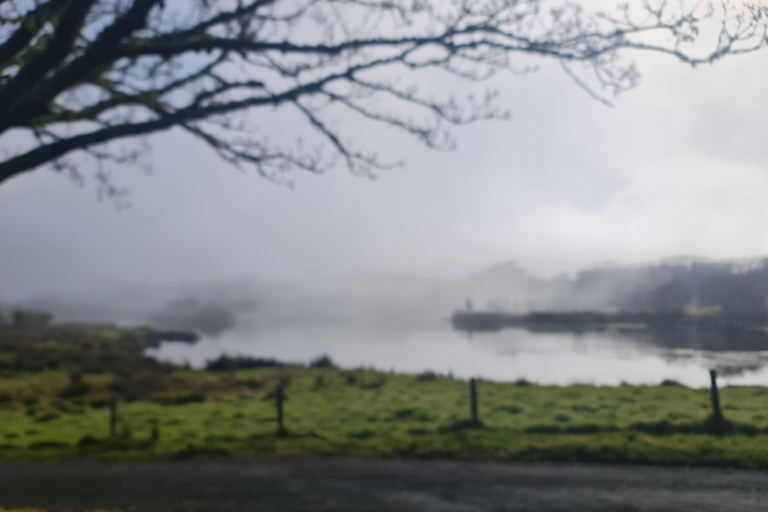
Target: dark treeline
(722, 297)
(225, 363)
(737, 291)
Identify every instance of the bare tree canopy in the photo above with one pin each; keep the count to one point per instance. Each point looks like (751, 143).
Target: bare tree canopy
(82, 77)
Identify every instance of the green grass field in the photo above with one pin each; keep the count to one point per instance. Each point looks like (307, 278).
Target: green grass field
(331, 412)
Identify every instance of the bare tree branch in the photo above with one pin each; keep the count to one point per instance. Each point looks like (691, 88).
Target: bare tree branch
(78, 75)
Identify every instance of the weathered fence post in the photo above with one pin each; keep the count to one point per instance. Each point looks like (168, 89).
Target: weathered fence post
(279, 398)
(155, 436)
(717, 414)
(473, 401)
(112, 417)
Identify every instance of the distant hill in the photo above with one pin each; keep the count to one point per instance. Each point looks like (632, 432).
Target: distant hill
(739, 287)
(506, 286)
(686, 260)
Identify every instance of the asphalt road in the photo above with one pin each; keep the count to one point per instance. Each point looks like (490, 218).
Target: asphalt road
(380, 486)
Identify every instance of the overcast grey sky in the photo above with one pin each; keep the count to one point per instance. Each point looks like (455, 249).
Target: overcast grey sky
(679, 166)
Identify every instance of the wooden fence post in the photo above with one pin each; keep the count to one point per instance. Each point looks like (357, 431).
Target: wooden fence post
(155, 436)
(716, 412)
(279, 398)
(473, 401)
(112, 417)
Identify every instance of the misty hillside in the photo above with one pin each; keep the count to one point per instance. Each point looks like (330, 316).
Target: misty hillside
(736, 288)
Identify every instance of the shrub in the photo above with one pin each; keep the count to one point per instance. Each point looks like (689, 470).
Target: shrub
(221, 438)
(76, 376)
(659, 428)
(582, 408)
(140, 385)
(46, 415)
(588, 428)
(323, 361)
(460, 425)
(62, 405)
(250, 383)
(671, 383)
(191, 452)
(188, 397)
(373, 384)
(75, 389)
(100, 402)
(427, 376)
(404, 414)
(542, 429)
(226, 363)
(88, 441)
(363, 434)
(43, 445)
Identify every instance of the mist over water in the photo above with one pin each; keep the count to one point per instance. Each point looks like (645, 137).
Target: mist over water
(402, 323)
(547, 358)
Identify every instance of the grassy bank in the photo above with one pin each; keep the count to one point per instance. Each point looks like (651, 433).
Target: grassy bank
(52, 415)
(88, 348)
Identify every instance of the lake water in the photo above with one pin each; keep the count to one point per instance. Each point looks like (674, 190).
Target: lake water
(547, 358)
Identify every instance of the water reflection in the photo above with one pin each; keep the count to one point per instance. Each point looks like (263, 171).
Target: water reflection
(607, 357)
(734, 340)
